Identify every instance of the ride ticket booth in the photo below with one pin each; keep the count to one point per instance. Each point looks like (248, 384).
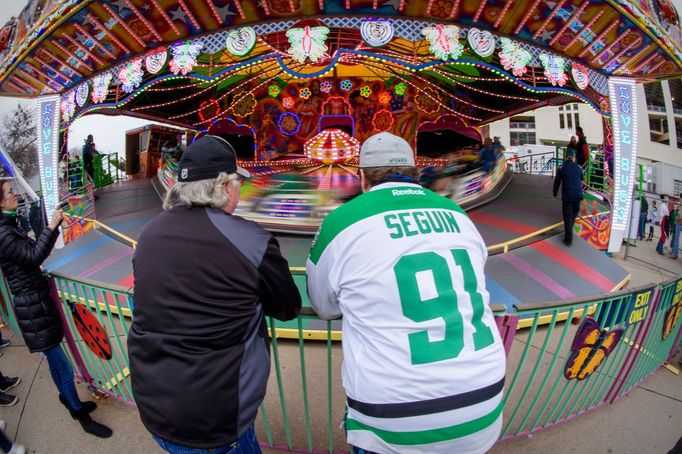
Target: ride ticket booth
(144, 147)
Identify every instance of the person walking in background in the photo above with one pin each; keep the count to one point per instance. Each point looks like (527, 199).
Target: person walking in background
(569, 177)
(582, 154)
(7, 445)
(423, 364)
(652, 217)
(35, 311)
(662, 218)
(198, 344)
(675, 244)
(643, 213)
(88, 156)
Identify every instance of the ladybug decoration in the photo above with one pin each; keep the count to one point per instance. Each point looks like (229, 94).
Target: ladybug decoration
(91, 330)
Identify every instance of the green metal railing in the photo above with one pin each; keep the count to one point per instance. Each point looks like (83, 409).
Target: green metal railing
(107, 170)
(305, 402)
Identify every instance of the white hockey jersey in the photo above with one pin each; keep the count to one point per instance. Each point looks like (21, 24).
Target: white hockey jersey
(424, 364)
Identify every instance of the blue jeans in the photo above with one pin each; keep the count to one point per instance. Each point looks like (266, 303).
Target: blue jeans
(62, 375)
(246, 444)
(676, 240)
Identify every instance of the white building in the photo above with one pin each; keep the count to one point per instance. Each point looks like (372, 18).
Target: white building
(659, 138)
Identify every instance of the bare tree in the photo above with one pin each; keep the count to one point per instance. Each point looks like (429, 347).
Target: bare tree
(18, 139)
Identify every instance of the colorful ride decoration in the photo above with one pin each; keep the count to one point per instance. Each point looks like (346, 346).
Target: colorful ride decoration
(184, 57)
(332, 146)
(482, 42)
(513, 56)
(241, 41)
(554, 68)
(307, 42)
(91, 330)
(580, 76)
(131, 75)
(376, 32)
(591, 346)
(156, 59)
(444, 41)
(672, 315)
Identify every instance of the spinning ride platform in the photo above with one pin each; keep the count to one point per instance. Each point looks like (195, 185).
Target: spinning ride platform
(540, 269)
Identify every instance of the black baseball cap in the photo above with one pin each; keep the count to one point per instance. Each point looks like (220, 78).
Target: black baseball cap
(206, 157)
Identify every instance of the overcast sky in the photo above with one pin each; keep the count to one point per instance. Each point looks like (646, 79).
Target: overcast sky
(109, 132)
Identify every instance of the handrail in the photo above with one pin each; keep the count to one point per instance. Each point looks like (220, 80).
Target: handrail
(558, 304)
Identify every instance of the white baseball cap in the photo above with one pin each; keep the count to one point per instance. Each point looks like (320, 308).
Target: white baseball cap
(386, 150)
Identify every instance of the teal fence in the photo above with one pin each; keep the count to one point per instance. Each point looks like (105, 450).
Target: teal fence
(565, 358)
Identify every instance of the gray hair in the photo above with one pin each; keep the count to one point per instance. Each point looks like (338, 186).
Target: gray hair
(201, 193)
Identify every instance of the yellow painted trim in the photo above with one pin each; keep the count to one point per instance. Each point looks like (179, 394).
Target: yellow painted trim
(117, 379)
(311, 334)
(672, 368)
(100, 306)
(547, 319)
(109, 229)
(622, 284)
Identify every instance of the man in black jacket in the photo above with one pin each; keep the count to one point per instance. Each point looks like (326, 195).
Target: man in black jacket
(569, 177)
(204, 279)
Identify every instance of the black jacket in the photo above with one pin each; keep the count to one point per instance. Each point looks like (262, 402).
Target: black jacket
(198, 345)
(20, 259)
(570, 178)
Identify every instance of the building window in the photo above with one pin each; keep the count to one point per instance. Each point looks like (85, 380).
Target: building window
(575, 107)
(522, 138)
(561, 121)
(658, 130)
(676, 95)
(522, 122)
(569, 121)
(561, 108)
(577, 119)
(654, 97)
(678, 130)
(677, 187)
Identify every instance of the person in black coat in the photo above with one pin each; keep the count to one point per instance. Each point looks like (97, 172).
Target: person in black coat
(205, 279)
(34, 308)
(569, 177)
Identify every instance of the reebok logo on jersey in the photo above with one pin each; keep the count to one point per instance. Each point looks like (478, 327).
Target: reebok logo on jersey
(408, 192)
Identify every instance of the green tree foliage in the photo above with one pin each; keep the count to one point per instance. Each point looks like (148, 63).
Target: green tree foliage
(18, 139)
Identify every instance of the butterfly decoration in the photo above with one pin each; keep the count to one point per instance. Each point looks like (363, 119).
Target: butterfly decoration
(554, 69)
(590, 348)
(68, 105)
(90, 330)
(131, 75)
(514, 57)
(185, 56)
(308, 42)
(672, 316)
(444, 41)
(100, 87)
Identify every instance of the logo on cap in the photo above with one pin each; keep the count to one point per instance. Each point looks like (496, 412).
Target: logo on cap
(183, 174)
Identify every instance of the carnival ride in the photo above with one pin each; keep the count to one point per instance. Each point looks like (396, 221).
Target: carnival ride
(271, 75)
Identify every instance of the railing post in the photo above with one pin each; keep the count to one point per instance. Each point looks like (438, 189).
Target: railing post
(635, 351)
(68, 336)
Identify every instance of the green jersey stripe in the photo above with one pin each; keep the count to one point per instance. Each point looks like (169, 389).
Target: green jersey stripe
(430, 436)
(373, 203)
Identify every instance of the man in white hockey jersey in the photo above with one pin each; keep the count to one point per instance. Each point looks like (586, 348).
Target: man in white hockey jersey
(424, 364)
